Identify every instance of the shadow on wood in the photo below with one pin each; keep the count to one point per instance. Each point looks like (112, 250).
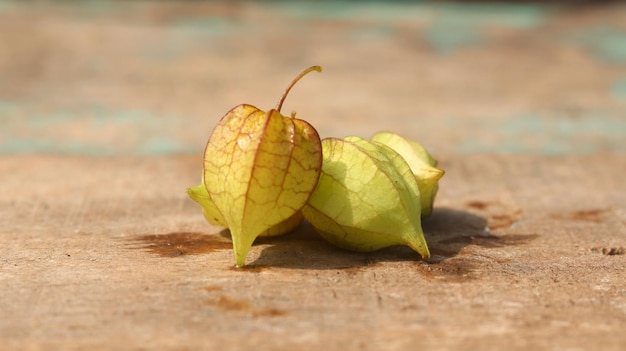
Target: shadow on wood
(447, 232)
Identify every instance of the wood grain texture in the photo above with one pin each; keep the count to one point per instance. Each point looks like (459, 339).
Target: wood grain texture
(109, 253)
(105, 108)
(155, 77)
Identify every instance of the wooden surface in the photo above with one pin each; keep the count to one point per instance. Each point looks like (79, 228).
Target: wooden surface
(105, 109)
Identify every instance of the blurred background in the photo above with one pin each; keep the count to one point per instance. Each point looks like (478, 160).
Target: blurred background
(106, 78)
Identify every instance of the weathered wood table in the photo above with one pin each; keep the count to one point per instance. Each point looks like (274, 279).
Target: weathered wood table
(105, 108)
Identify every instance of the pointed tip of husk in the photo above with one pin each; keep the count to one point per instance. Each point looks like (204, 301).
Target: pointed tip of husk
(422, 250)
(419, 245)
(241, 247)
(240, 255)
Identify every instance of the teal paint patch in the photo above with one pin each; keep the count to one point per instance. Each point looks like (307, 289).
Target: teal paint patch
(607, 43)
(150, 147)
(372, 33)
(129, 117)
(161, 145)
(618, 89)
(20, 145)
(508, 15)
(92, 130)
(96, 6)
(450, 27)
(213, 26)
(458, 26)
(449, 39)
(5, 5)
(27, 145)
(7, 107)
(51, 120)
(521, 16)
(353, 11)
(189, 36)
(546, 135)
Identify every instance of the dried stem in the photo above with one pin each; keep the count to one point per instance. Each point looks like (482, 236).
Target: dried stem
(282, 98)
